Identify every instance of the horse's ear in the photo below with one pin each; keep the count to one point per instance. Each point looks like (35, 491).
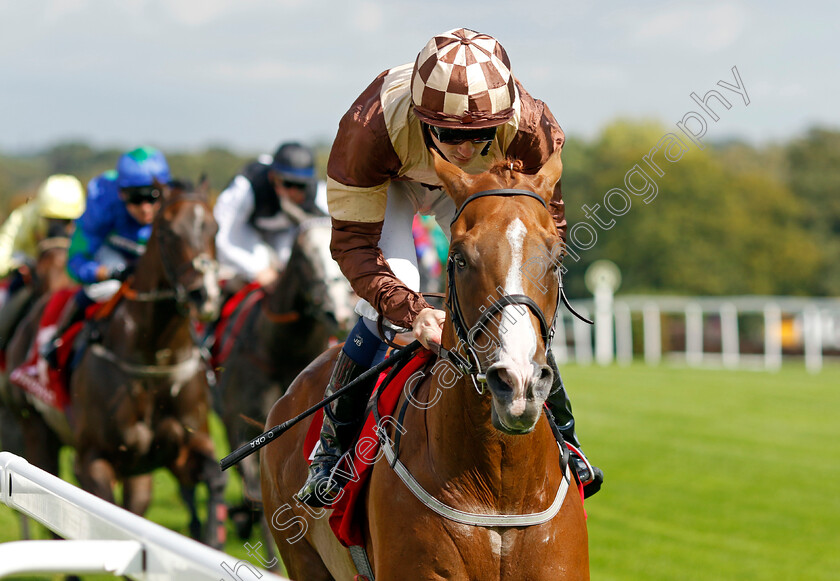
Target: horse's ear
(550, 173)
(203, 185)
(454, 178)
(165, 190)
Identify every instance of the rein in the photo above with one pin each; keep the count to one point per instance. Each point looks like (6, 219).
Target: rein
(175, 372)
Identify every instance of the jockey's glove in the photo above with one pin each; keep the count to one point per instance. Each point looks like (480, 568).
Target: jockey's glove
(119, 273)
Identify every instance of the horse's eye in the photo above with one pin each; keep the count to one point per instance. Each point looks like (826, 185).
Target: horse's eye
(459, 261)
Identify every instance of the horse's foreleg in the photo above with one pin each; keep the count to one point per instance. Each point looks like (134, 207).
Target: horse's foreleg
(188, 495)
(96, 475)
(11, 435)
(216, 480)
(40, 444)
(201, 466)
(137, 493)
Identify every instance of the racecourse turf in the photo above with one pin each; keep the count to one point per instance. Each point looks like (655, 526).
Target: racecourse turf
(710, 474)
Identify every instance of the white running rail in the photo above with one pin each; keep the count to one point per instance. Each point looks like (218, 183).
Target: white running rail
(105, 538)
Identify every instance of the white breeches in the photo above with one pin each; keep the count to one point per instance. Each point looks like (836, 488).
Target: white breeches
(405, 199)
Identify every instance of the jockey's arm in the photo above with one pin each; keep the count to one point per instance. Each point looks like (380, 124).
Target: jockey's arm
(88, 237)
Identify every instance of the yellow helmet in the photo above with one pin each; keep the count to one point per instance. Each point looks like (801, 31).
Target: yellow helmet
(61, 196)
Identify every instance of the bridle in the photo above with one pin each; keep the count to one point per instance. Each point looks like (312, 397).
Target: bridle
(202, 263)
(471, 365)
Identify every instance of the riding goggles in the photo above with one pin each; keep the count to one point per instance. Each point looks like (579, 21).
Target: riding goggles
(141, 195)
(451, 136)
(291, 185)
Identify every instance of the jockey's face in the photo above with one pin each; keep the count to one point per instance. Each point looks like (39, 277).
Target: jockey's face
(141, 203)
(461, 153)
(59, 227)
(295, 192)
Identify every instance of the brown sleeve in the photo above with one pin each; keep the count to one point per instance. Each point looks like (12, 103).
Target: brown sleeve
(362, 163)
(362, 154)
(539, 135)
(355, 246)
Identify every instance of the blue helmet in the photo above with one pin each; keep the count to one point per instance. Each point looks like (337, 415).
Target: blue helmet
(141, 167)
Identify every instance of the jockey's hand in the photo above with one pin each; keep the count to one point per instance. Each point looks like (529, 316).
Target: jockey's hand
(267, 276)
(428, 327)
(119, 273)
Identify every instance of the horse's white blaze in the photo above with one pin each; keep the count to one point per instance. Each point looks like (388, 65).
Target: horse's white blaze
(517, 339)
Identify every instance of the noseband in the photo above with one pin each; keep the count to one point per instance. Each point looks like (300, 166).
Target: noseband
(467, 334)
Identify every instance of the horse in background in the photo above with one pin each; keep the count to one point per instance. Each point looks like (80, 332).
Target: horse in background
(294, 321)
(139, 396)
(476, 439)
(47, 275)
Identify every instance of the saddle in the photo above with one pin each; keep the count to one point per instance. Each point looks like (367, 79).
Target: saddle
(35, 376)
(234, 315)
(345, 518)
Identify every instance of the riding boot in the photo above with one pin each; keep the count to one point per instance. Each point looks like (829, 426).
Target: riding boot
(342, 420)
(591, 477)
(72, 313)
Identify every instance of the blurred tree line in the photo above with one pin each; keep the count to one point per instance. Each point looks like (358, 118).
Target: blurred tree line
(728, 219)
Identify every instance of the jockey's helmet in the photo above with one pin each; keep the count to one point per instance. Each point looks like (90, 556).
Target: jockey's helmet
(462, 80)
(62, 197)
(294, 163)
(141, 167)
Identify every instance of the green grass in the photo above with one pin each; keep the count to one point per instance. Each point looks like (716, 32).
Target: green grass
(710, 475)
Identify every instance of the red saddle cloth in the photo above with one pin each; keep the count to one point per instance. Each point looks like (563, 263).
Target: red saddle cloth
(234, 314)
(346, 518)
(35, 376)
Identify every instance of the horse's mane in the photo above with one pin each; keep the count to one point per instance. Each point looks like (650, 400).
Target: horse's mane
(507, 166)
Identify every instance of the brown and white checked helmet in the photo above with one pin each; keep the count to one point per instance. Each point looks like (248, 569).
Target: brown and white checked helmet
(462, 79)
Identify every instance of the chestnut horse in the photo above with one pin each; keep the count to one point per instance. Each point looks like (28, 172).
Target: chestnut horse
(309, 305)
(139, 396)
(480, 444)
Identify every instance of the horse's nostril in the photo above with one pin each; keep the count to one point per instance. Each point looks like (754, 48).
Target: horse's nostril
(499, 381)
(546, 374)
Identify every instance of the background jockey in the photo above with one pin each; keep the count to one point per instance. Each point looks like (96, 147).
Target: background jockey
(259, 211)
(459, 98)
(112, 233)
(59, 201)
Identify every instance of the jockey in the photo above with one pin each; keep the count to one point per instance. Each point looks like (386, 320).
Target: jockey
(59, 201)
(112, 233)
(259, 211)
(460, 99)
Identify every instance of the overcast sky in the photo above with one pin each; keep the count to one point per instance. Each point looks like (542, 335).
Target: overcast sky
(251, 73)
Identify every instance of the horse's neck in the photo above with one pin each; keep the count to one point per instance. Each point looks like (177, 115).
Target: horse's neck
(284, 294)
(151, 325)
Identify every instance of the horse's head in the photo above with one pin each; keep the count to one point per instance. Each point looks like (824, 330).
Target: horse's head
(325, 291)
(501, 312)
(185, 232)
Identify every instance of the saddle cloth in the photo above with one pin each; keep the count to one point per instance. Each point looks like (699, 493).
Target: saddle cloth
(347, 515)
(35, 376)
(232, 318)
